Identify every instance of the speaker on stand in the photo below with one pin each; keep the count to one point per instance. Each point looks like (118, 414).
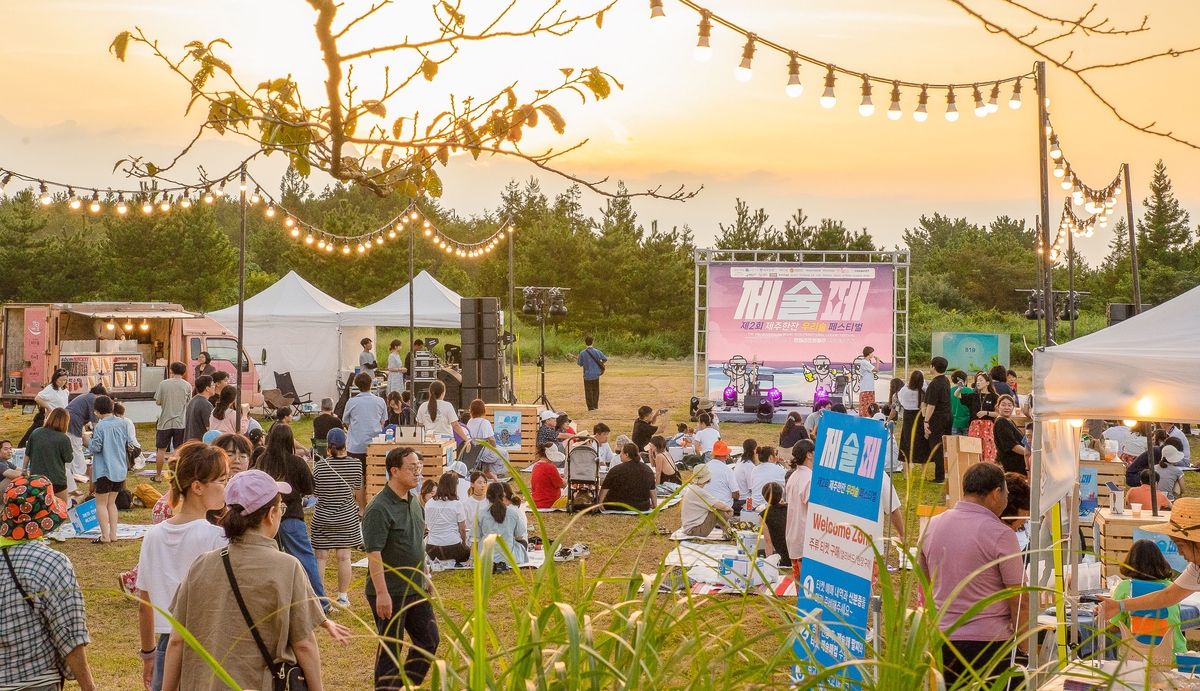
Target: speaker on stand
(482, 355)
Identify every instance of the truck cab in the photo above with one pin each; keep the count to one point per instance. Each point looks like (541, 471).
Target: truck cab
(205, 335)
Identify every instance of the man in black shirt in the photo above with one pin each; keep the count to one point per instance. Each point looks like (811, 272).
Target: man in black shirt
(199, 410)
(939, 418)
(326, 420)
(644, 427)
(630, 484)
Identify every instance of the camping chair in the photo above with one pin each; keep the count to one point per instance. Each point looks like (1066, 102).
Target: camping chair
(274, 400)
(284, 381)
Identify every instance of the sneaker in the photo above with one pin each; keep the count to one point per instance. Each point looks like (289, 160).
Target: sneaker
(501, 567)
(564, 554)
(342, 601)
(327, 608)
(581, 551)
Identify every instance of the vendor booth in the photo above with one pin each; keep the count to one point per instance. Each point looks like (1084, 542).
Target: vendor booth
(294, 327)
(435, 307)
(1139, 369)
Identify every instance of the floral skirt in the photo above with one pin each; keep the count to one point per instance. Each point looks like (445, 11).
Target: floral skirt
(983, 430)
(865, 399)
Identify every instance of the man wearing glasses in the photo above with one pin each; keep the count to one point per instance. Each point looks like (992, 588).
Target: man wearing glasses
(394, 537)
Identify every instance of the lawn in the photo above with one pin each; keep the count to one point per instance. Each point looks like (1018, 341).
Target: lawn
(628, 547)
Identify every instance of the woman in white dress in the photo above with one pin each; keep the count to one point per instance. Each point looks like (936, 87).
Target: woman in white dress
(438, 416)
(395, 367)
(491, 464)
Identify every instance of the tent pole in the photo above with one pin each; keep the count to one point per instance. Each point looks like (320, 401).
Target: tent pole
(1035, 535)
(512, 391)
(412, 357)
(1043, 165)
(1071, 281)
(1133, 260)
(237, 416)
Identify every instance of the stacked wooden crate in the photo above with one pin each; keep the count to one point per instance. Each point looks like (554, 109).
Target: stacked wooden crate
(434, 456)
(524, 456)
(1114, 534)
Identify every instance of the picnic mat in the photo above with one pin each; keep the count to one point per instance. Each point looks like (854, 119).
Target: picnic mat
(666, 505)
(717, 535)
(125, 531)
(534, 559)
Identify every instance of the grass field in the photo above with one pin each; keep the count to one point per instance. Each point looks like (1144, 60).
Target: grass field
(627, 547)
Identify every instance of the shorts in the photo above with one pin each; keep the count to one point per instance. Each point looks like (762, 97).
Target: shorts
(168, 439)
(107, 486)
(362, 457)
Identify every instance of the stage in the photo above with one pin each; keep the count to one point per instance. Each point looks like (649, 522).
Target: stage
(738, 414)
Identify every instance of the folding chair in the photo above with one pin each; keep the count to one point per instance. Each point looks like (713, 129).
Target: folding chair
(284, 381)
(274, 400)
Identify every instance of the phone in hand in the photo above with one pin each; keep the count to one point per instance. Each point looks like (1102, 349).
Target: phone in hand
(662, 411)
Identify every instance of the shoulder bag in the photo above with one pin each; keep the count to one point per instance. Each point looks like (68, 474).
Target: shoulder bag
(287, 677)
(600, 363)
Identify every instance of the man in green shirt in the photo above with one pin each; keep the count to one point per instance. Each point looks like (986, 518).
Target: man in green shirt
(394, 538)
(961, 413)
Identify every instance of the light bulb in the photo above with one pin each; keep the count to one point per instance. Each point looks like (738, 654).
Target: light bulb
(511, 229)
(1055, 152)
(413, 216)
(346, 249)
(1117, 190)
(185, 202)
(368, 243)
(255, 198)
(866, 108)
(922, 112)
(1049, 127)
(392, 234)
(147, 207)
(1109, 211)
(94, 207)
(145, 325)
(1110, 202)
(379, 240)
(449, 249)
(45, 197)
(980, 107)
(1059, 169)
(4, 181)
(242, 185)
(828, 100)
(951, 108)
(742, 72)
(270, 211)
(111, 325)
(128, 325)
(894, 112)
(221, 189)
(329, 247)
(428, 232)
(321, 244)
(1015, 101)
(289, 222)
(208, 197)
(703, 51)
(295, 232)
(1068, 179)
(993, 103)
(794, 88)
(361, 249)
(309, 240)
(121, 208)
(165, 206)
(656, 9)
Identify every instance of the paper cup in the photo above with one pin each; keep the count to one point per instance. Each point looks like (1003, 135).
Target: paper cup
(1137, 510)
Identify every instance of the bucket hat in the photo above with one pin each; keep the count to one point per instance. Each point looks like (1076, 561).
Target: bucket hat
(31, 510)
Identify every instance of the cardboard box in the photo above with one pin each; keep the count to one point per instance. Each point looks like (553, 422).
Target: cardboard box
(961, 453)
(83, 517)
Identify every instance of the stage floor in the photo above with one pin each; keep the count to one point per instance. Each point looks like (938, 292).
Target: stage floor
(738, 414)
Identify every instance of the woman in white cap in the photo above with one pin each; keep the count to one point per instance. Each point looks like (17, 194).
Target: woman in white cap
(261, 586)
(700, 511)
(1184, 530)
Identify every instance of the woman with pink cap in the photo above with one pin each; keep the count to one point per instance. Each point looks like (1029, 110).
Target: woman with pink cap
(278, 609)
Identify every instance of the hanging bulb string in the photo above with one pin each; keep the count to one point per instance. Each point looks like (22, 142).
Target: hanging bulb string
(711, 18)
(1099, 194)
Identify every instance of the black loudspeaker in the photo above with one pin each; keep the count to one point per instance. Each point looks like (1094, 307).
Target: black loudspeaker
(753, 402)
(454, 387)
(489, 373)
(470, 377)
(1120, 311)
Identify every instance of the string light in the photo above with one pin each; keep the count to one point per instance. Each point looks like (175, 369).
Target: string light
(255, 198)
(866, 108)
(894, 112)
(74, 201)
(94, 207)
(185, 202)
(121, 208)
(742, 72)
(1015, 101)
(270, 211)
(828, 100)
(703, 51)
(45, 197)
(921, 114)
(981, 109)
(656, 9)
(208, 196)
(993, 104)
(5, 180)
(147, 207)
(951, 108)
(794, 88)
(1055, 151)
(165, 206)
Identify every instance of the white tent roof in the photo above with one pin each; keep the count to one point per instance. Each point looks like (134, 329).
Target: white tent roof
(291, 297)
(437, 307)
(1140, 369)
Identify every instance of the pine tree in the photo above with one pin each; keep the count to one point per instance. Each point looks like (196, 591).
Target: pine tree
(1164, 236)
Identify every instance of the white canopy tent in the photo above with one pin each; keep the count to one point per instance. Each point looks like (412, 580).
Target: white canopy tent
(302, 331)
(436, 307)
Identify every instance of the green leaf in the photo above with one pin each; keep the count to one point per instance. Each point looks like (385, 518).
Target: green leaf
(385, 157)
(375, 108)
(556, 118)
(120, 44)
(598, 84)
(433, 184)
(443, 154)
(398, 128)
(429, 68)
(351, 125)
(301, 165)
(151, 169)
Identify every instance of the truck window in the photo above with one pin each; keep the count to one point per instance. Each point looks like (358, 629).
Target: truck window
(226, 349)
(194, 349)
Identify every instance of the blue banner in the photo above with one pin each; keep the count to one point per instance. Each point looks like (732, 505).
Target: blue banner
(1165, 545)
(840, 533)
(1088, 488)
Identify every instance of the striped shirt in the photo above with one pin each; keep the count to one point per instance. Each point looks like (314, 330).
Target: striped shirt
(335, 521)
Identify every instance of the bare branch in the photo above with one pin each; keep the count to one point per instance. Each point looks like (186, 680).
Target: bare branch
(368, 13)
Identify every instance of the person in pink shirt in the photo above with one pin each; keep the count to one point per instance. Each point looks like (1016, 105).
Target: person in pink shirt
(969, 547)
(798, 485)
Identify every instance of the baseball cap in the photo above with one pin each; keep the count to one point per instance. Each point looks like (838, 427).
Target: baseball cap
(253, 489)
(336, 437)
(210, 436)
(547, 415)
(720, 448)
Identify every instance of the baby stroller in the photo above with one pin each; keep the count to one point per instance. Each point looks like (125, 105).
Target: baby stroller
(583, 474)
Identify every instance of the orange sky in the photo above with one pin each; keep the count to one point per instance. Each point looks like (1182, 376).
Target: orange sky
(71, 110)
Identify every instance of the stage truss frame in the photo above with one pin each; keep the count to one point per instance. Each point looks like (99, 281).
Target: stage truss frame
(704, 258)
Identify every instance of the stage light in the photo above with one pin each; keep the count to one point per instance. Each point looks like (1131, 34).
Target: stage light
(729, 397)
(775, 396)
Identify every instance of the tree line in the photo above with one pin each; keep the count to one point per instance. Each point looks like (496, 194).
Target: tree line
(626, 280)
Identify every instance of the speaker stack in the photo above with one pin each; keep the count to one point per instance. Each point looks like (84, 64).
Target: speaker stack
(482, 355)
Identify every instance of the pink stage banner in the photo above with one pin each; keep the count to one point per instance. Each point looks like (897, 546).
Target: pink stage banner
(808, 319)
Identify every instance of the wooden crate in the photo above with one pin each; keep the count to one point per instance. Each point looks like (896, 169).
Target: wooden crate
(524, 456)
(434, 455)
(961, 453)
(1106, 471)
(1113, 535)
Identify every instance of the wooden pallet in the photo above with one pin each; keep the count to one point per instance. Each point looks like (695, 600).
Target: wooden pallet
(1114, 534)
(434, 455)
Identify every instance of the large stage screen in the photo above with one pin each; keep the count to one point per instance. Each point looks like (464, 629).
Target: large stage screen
(803, 324)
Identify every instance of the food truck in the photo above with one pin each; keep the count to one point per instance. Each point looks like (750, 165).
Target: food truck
(127, 346)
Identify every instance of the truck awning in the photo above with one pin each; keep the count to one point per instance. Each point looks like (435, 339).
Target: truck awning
(132, 314)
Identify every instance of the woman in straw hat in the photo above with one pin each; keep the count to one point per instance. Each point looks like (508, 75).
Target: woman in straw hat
(700, 511)
(1184, 531)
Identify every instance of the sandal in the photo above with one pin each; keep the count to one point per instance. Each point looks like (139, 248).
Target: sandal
(100, 541)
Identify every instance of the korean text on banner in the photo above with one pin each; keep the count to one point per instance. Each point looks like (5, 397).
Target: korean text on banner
(839, 553)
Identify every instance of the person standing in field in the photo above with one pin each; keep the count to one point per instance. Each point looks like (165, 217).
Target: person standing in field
(366, 359)
(868, 370)
(592, 361)
(172, 397)
(109, 467)
(395, 367)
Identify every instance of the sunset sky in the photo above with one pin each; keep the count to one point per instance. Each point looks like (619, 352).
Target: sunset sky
(70, 110)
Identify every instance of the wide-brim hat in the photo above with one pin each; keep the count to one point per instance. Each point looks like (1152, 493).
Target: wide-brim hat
(1171, 454)
(1184, 523)
(704, 404)
(31, 510)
